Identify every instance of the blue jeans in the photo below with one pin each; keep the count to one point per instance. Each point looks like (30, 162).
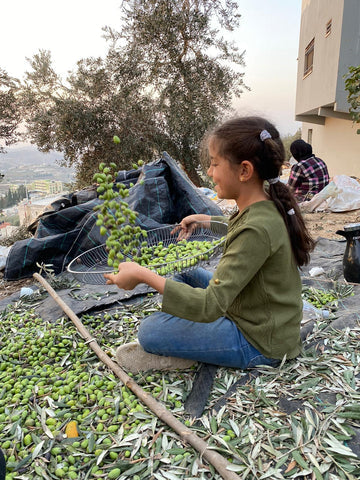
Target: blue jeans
(219, 343)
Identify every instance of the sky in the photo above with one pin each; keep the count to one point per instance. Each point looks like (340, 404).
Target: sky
(72, 30)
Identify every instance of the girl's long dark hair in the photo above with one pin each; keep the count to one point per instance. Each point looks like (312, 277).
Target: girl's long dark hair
(239, 139)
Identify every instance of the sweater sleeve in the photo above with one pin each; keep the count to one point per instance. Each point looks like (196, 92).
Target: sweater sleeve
(296, 176)
(220, 219)
(245, 253)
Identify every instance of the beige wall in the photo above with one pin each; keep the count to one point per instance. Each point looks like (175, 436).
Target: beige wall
(337, 143)
(319, 87)
(334, 137)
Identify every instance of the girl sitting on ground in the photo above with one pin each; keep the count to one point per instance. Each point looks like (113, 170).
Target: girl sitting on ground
(248, 311)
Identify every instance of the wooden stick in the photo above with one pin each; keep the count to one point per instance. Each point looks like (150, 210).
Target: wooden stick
(185, 433)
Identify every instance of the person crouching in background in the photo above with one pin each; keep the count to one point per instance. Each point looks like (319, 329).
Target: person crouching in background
(309, 175)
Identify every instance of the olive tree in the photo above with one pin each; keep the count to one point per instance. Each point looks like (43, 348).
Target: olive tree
(352, 85)
(80, 117)
(10, 112)
(187, 65)
(167, 77)
(288, 140)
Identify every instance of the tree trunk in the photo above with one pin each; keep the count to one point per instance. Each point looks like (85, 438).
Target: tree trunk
(192, 174)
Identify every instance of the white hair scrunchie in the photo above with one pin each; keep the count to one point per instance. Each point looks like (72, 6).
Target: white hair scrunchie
(264, 135)
(273, 180)
(291, 211)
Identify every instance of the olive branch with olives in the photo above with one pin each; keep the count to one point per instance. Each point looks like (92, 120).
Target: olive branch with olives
(126, 241)
(115, 218)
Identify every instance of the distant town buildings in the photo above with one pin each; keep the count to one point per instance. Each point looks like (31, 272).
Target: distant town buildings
(30, 209)
(39, 195)
(6, 229)
(50, 187)
(36, 187)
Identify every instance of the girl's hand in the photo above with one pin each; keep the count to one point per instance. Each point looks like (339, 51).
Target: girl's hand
(188, 224)
(129, 276)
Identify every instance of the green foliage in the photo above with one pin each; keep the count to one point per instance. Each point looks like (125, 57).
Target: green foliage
(287, 141)
(167, 78)
(81, 118)
(186, 63)
(352, 85)
(13, 197)
(9, 110)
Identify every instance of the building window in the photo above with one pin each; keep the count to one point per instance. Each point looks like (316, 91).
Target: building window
(328, 28)
(309, 58)
(309, 136)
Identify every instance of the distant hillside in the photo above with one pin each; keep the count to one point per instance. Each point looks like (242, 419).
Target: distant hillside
(26, 163)
(27, 155)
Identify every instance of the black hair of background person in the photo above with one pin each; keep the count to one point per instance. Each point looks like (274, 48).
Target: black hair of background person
(2, 466)
(301, 150)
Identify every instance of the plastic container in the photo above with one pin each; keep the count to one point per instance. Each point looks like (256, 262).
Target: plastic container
(26, 291)
(312, 313)
(351, 259)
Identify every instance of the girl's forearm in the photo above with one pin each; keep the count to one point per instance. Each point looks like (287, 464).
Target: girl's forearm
(152, 279)
(199, 217)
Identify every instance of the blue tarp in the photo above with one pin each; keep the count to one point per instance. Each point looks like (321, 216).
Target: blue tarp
(165, 197)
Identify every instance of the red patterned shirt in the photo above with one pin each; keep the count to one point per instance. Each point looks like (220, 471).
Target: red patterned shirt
(308, 177)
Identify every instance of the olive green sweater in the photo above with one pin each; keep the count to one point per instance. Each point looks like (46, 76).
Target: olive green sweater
(256, 284)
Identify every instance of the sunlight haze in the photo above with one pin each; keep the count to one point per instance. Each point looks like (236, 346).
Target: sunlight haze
(72, 30)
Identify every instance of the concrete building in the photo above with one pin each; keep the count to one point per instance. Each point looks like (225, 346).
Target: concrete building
(29, 210)
(329, 44)
(50, 187)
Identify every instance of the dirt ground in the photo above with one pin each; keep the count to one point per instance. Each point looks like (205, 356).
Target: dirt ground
(325, 224)
(321, 224)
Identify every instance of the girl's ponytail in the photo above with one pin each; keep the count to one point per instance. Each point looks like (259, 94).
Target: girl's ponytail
(301, 242)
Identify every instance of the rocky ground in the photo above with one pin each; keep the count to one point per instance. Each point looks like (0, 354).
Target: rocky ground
(321, 224)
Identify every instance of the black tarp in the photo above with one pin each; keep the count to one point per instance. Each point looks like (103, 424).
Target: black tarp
(165, 196)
